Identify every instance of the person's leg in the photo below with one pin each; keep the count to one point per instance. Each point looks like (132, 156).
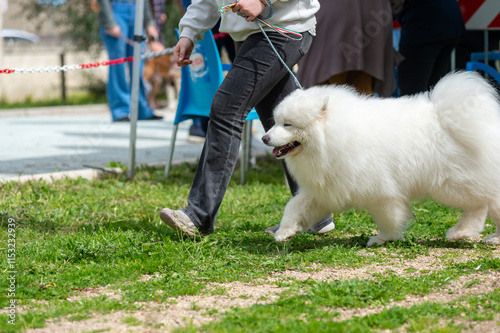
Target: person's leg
(198, 130)
(117, 87)
(229, 45)
(415, 70)
(204, 124)
(442, 65)
(255, 72)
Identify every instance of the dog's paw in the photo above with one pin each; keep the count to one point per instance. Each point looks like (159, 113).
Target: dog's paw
(282, 239)
(375, 240)
(493, 239)
(281, 236)
(457, 234)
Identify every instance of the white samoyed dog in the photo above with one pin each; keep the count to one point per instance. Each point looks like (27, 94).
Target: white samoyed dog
(346, 150)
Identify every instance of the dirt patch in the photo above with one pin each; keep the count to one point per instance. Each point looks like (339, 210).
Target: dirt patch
(487, 326)
(437, 259)
(176, 312)
(94, 292)
(454, 290)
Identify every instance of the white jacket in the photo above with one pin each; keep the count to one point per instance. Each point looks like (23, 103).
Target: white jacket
(202, 15)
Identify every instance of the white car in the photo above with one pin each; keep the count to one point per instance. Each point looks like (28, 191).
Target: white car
(14, 36)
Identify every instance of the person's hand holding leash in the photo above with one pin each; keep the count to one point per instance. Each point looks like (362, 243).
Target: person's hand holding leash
(182, 51)
(249, 8)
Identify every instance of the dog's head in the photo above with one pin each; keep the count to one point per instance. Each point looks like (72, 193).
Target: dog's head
(294, 118)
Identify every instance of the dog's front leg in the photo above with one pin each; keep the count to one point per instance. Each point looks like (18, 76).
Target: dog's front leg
(301, 213)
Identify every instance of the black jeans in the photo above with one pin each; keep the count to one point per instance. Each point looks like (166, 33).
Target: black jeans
(257, 79)
(424, 65)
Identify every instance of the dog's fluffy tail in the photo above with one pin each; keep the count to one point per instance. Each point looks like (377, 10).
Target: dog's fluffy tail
(469, 110)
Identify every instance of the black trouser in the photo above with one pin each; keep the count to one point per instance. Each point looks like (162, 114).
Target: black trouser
(424, 65)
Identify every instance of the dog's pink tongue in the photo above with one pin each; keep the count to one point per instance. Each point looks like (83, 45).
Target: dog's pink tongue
(275, 151)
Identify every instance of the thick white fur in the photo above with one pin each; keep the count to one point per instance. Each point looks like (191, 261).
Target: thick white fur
(379, 154)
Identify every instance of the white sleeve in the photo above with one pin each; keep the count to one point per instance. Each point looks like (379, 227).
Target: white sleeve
(200, 16)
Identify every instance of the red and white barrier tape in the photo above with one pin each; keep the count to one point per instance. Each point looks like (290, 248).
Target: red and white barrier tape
(66, 68)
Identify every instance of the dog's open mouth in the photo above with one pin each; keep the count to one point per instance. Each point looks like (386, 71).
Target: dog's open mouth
(284, 150)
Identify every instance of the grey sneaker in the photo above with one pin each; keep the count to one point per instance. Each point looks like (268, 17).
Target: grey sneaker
(178, 220)
(323, 230)
(272, 230)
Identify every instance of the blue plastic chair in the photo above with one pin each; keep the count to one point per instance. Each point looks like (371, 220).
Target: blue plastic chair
(199, 83)
(479, 56)
(200, 80)
(480, 66)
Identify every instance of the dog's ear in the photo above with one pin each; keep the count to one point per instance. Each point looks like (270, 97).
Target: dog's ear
(324, 106)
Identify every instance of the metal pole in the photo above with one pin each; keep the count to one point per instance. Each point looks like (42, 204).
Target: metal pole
(486, 46)
(2, 9)
(136, 73)
(453, 59)
(63, 78)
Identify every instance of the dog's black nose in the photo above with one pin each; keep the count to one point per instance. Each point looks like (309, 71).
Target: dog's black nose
(265, 139)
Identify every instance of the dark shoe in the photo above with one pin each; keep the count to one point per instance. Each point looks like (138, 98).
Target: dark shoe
(154, 117)
(196, 133)
(122, 120)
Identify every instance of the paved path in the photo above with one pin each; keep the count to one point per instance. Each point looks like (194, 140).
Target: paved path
(55, 139)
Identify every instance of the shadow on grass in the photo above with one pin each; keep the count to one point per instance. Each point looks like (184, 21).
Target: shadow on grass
(43, 226)
(51, 226)
(259, 242)
(444, 244)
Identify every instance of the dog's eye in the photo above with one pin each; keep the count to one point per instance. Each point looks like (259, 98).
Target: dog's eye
(287, 125)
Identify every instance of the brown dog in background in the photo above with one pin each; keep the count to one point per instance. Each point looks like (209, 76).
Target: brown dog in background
(159, 71)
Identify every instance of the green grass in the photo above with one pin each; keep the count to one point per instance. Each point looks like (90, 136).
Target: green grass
(76, 235)
(72, 99)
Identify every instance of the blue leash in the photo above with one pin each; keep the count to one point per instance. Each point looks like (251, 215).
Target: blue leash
(279, 57)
